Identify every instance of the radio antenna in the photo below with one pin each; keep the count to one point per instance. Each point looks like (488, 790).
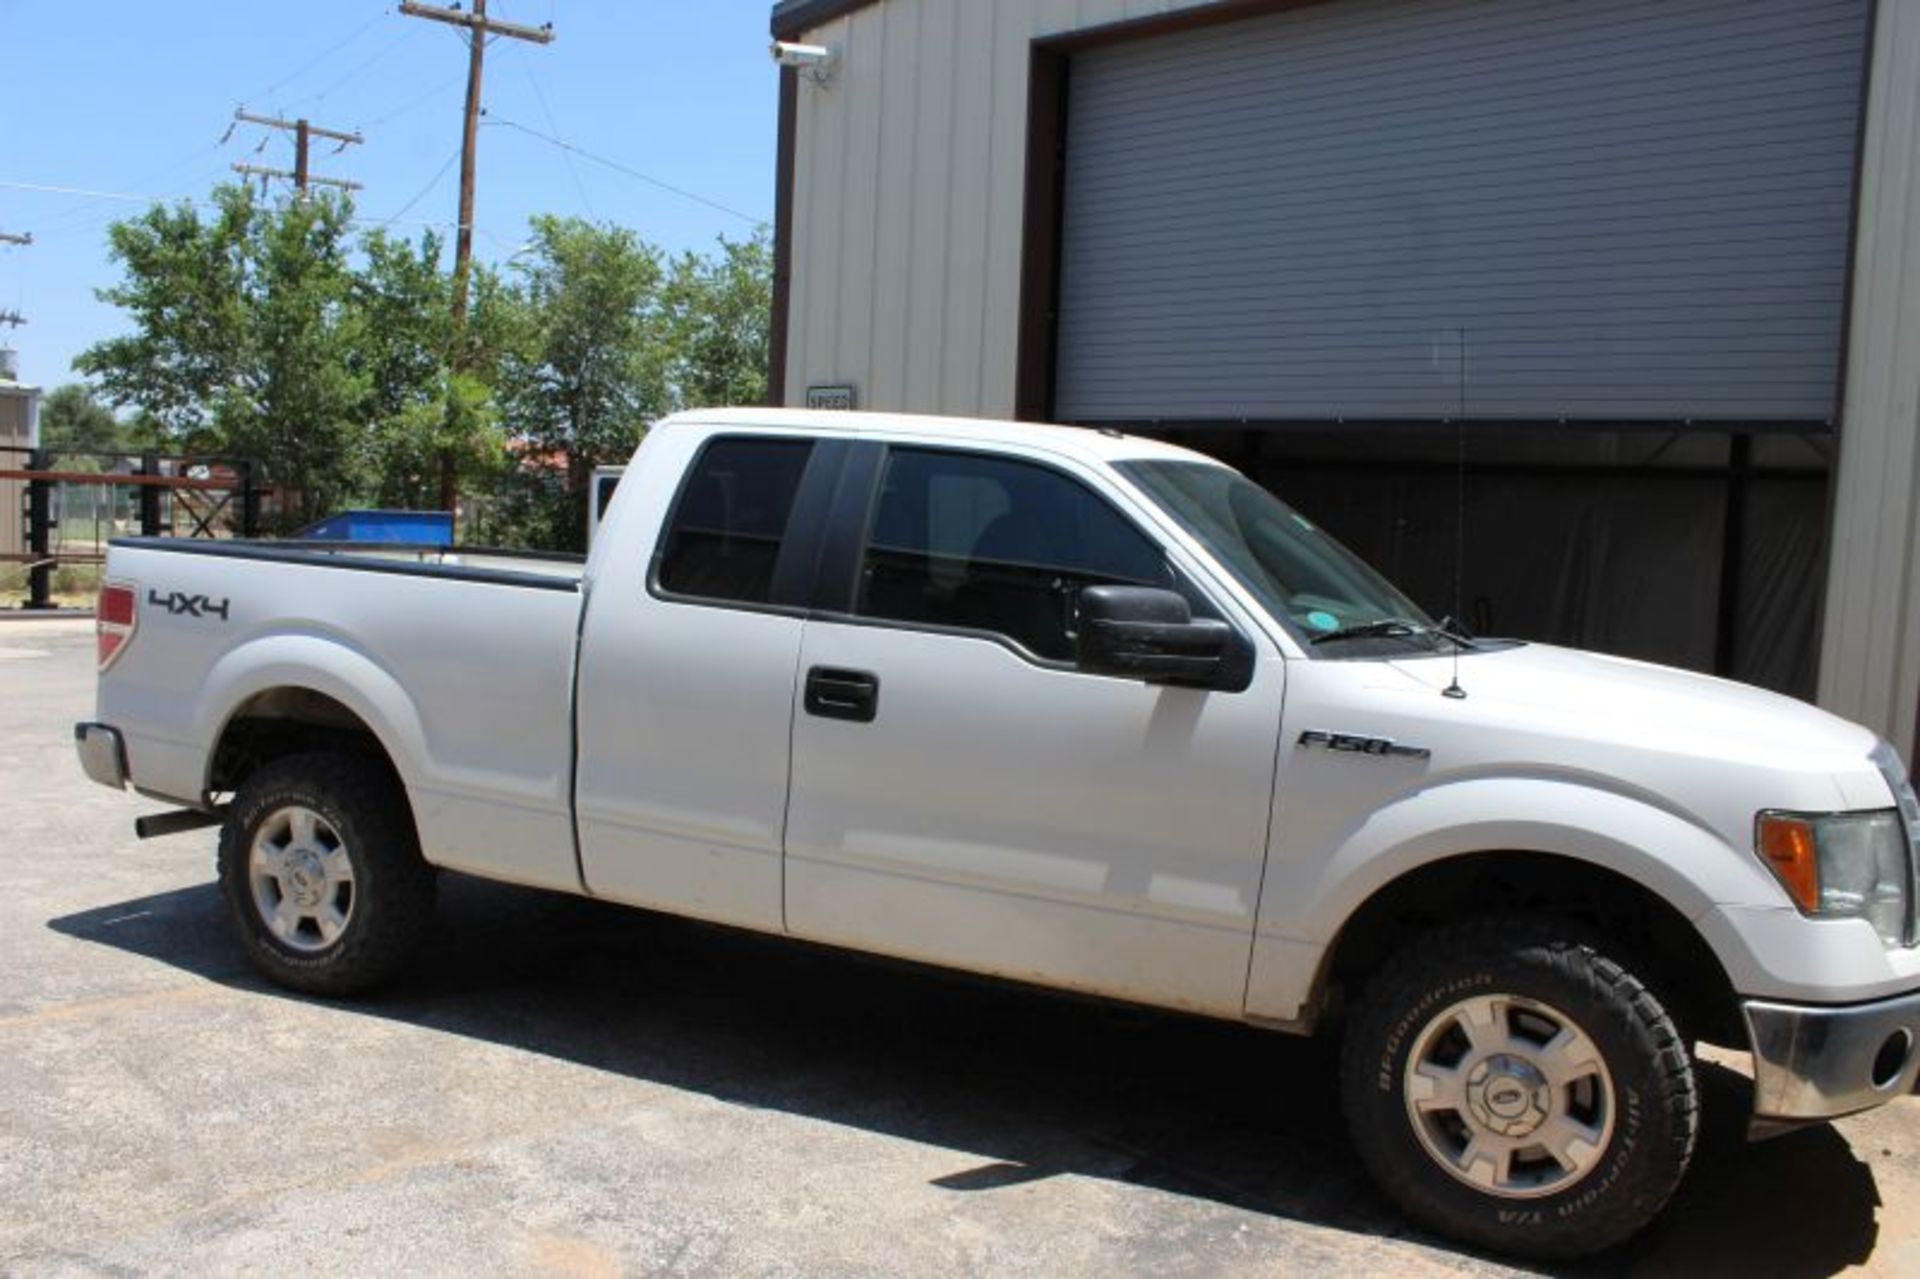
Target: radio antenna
(1454, 690)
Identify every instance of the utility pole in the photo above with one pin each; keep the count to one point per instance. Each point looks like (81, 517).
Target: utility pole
(303, 133)
(478, 28)
(8, 238)
(12, 319)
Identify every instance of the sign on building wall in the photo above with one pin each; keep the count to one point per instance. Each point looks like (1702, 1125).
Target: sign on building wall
(840, 396)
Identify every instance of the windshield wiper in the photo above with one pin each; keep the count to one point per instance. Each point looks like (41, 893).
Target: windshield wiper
(1394, 628)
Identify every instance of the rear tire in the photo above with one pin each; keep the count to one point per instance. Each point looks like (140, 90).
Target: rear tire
(1511, 1085)
(322, 873)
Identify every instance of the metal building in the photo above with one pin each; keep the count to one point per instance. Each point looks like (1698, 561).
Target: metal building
(19, 432)
(1645, 272)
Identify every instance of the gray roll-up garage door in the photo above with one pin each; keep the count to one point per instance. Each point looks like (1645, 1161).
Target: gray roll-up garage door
(1502, 209)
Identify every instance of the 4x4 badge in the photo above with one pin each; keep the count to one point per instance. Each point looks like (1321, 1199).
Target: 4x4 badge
(187, 605)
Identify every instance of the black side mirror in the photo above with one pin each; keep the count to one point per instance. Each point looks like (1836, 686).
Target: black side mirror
(1145, 633)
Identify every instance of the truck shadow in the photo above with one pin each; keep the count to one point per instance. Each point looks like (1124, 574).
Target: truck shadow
(1037, 1085)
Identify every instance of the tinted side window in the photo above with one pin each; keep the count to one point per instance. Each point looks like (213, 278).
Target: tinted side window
(724, 535)
(990, 544)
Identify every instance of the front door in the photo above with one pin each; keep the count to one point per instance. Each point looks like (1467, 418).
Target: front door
(962, 795)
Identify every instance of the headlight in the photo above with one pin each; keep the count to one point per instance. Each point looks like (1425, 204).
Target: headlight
(1842, 866)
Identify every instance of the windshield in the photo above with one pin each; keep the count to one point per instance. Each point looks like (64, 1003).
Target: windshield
(1295, 569)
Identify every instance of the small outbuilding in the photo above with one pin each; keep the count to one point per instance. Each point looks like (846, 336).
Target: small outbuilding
(19, 432)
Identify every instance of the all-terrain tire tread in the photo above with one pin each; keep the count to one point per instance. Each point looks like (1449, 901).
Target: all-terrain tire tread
(1578, 958)
(394, 886)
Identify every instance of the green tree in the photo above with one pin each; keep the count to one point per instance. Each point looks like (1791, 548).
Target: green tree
(718, 319)
(298, 403)
(243, 326)
(74, 423)
(420, 401)
(583, 366)
(184, 289)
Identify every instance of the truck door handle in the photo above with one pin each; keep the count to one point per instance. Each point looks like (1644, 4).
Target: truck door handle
(833, 693)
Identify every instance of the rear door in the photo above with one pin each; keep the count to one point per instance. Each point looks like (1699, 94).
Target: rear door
(686, 681)
(962, 795)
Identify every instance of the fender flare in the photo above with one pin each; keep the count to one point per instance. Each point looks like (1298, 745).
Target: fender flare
(1677, 859)
(328, 665)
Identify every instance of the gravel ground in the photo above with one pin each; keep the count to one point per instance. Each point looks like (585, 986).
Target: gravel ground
(569, 1088)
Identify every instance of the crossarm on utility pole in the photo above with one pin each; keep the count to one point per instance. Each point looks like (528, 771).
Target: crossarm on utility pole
(261, 171)
(478, 20)
(275, 122)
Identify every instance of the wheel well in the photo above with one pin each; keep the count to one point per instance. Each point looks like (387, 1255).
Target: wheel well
(1677, 960)
(287, 721)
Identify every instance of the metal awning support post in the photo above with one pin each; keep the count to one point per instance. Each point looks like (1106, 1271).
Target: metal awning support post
(150, 498)
(249, 499)
(39, 534)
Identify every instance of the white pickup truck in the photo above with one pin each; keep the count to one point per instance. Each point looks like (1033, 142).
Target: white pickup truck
(1075, 709)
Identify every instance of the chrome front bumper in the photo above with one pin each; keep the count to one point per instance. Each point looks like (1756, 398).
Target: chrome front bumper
(103, 755)
(1812, 1062)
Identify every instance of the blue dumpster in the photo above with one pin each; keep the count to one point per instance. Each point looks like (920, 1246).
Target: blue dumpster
(414, 528)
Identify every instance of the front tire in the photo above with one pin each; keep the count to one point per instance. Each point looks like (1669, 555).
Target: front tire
(322, 873)
(1511, 1085)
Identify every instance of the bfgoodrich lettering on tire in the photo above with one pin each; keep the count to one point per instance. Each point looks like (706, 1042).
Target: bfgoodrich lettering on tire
(1510, 1084)
(322, 873)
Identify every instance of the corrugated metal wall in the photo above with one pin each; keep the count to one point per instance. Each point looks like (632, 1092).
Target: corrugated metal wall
(908, 200)
(16, 410)
(1491, 208)
(1870, 661)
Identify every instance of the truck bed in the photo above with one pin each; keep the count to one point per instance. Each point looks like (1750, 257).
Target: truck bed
(542, 570)
(459, 660)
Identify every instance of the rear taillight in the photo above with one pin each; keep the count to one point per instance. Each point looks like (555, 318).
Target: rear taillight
(116, 615)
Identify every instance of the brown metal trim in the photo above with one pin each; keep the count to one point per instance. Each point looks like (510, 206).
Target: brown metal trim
(1040, 234)
(1168, 427)
(1846, 324)
(1853, 216)
(1159, 24)
(797, 17)
(783, 238)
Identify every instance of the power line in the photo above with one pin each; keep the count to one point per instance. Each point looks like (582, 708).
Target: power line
(414, 101)
(618, 167)
(526, 65)
(77, 216)
(422, 193)
(359, 69)
(317, 59)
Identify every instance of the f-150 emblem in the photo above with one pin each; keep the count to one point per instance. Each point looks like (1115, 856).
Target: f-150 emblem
(187, 605)
(1353, 744)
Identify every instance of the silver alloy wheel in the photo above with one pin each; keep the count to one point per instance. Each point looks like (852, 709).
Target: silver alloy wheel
(301, 877)
(1510, 1096)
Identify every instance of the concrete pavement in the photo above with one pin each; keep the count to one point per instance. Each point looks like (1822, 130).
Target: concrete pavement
(568, 1088)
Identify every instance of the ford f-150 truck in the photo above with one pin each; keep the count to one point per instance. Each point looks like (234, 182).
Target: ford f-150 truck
(1076, 709)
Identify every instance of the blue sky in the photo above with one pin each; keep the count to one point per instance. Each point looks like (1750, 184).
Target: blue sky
(134, 98)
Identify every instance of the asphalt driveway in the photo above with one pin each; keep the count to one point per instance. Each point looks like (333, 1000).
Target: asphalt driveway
(569, 1088)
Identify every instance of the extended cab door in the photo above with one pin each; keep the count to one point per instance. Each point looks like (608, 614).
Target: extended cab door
(686, 681)
(962, 795)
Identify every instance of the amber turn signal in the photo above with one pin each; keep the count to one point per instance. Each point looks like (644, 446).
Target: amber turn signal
(1787, 842)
